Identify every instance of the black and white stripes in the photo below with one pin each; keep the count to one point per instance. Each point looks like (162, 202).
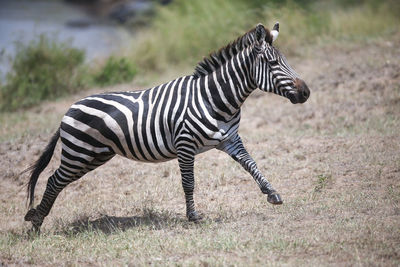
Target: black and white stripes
(178, 119)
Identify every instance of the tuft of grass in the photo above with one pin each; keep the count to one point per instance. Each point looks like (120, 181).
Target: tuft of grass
(115, 70)
(42, 69)
(322, 181)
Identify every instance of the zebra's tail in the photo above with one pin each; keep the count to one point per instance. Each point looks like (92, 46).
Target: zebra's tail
(37, 168)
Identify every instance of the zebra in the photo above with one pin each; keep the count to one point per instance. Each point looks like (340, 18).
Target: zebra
(178, 119)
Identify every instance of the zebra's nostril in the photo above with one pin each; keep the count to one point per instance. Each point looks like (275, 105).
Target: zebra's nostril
(306, 94)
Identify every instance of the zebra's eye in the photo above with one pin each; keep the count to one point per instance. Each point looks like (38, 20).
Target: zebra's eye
(273, 61)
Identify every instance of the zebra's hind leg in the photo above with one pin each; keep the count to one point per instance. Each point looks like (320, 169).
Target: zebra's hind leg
(55, 184)
(63, 176)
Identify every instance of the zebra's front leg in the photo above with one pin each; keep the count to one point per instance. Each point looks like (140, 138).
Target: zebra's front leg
(234, 147)
(186, 163)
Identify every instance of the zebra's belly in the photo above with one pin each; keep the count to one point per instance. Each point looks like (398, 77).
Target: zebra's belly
(151, 151)
(157, 160)
(204, 149)
(150, 147)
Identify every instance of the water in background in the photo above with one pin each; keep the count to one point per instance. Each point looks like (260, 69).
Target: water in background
(23, 20)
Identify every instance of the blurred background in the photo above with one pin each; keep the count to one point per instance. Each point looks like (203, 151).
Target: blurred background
(50, 48)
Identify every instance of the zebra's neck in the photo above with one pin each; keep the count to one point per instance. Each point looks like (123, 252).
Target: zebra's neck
(226, 89)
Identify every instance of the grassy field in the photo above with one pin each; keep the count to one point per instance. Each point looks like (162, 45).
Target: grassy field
(335, 160)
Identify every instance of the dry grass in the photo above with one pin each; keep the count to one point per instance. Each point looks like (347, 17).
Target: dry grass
(335, 161)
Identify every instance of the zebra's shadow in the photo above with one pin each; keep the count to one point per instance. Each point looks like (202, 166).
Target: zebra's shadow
(111, 224)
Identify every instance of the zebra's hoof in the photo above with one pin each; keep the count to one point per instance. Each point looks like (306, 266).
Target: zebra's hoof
(275, 198)
(30, 215)
(33, 216)
(194, 216)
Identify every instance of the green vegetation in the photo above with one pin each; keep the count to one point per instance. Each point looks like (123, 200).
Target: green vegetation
(43, 69)
(322, 181)
(47, 69)
(186, 31)
(115, 70)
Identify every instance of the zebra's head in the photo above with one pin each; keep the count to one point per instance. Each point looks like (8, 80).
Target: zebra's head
(272, 73)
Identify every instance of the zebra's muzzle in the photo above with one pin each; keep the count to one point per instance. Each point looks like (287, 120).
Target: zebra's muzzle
(300, 94)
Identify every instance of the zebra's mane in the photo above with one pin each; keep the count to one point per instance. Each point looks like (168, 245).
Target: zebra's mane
(220, 57)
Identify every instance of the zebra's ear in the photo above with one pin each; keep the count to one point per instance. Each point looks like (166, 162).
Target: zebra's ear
(275, 31)
(261, 33)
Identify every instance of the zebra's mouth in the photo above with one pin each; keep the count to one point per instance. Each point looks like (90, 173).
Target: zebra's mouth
(295, 97)
(292, 97)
